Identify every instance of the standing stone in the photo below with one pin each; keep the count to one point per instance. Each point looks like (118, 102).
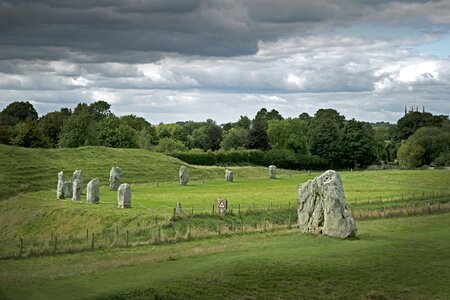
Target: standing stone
(67, 189)
(76, 189)
(114, 178)
(124, 196)
(272, 172)
(322, 207)
(78, 175)
(184, 175)
(93, 191)
(60, 186)
(229, 175)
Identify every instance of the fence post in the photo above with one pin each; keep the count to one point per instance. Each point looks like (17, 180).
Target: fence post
(429, 208)
(21, 247)
(93, 241)
(126, 240)
(264, 220)
(55, 246)
(159, 235)
(239, 209)
(253, 205)
(384, 211)
(87, 234)
(213, 209)
(192, 212)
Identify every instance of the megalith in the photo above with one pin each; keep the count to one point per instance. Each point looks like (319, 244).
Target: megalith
(93, 191)
(184, 175)
(124, 196)
(76, 189)
(78, 175)
(114, 178)
(322, 208)
(272, 172)
(67, 189)
(229, 175)
(60, 186)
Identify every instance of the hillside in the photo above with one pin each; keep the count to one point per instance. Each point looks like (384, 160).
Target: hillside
(26, 169)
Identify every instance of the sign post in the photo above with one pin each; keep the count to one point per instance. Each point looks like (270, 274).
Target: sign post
(222, 205)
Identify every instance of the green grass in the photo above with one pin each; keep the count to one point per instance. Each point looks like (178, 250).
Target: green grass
(26, 169)
(403, 258)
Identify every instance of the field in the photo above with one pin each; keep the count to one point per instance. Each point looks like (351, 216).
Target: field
(256, 252)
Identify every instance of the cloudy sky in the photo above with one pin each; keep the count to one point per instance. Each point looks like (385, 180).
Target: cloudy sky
(169, 60)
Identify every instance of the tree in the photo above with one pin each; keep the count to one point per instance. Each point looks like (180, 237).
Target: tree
(234, 138)
(244, 122)
(114, 132)
(257, 137)
(17, 112)
(412, 121)
(357, 144)
(325, 135)
(29, 134)
(288, 134)
(80, 129)
(207, 137)
(100, 109)
(424, 146)
(51, 125)
(170, 146)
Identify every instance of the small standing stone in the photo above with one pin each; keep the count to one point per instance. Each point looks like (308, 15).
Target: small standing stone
(114, 178)
(272, 172)
(67, 189)
(60, 186)
(93, 191)
(184, 175)
(76, 189)
(124, 196)
(229, 175)
(78, 174)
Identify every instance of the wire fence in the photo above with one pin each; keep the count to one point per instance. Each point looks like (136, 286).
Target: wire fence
(188, 224)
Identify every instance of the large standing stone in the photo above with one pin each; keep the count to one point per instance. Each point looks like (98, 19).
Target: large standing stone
(322, 208)
(114, 178)
(60, 186)
(184, 175)
(78, 174)
(124, 196)
(76, 189)
(67, 189)
(272, 172)
(229, 175)
(93, 191)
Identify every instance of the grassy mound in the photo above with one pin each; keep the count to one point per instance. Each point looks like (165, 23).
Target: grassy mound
(26, 170)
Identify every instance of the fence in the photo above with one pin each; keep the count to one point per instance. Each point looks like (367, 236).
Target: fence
(188, 225)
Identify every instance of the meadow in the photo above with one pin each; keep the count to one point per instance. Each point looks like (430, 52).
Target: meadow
(255, 252)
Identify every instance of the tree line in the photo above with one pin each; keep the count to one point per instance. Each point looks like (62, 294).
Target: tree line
(325, 140)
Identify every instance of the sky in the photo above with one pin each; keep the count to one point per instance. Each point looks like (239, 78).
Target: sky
(169, 61)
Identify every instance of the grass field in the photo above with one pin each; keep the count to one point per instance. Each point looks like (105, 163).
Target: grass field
(393, 257)
(401, 258)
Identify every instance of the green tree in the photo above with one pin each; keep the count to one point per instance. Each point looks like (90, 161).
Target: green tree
(424, 146)
(325, 134)
(17, 112)
(51, 125)
(170, 146)
(234, 138)
(412, 121)
(207, 137)
(289, 134)
(29, 134)
(358, 144)
(80, 129)
(114, 132)
(257, 136)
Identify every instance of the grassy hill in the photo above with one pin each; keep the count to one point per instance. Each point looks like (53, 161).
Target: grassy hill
(25, 169)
